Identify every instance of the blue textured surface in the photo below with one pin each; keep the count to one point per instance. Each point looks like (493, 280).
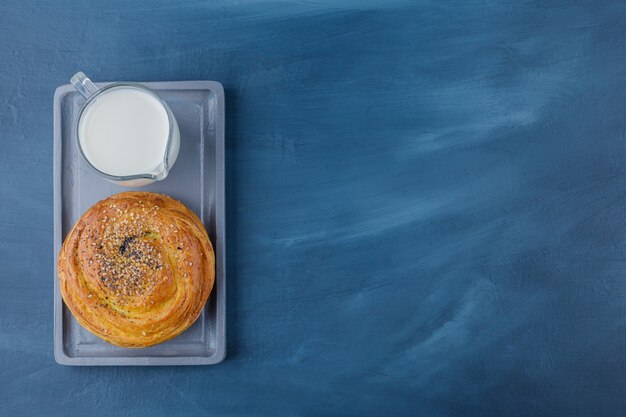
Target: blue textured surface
(426, 205)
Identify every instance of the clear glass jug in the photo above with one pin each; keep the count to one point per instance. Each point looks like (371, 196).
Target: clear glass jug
(101, 135)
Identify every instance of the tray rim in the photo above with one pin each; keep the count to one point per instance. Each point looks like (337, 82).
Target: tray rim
(220, 210)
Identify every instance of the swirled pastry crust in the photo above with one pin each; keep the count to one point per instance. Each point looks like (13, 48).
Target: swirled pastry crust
(137, 269)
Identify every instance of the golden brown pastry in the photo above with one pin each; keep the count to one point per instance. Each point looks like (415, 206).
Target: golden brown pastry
(137, 269)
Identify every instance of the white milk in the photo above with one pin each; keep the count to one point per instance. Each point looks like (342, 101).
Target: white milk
(124, 132)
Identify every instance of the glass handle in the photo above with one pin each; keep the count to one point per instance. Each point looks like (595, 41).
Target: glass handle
(83, 84)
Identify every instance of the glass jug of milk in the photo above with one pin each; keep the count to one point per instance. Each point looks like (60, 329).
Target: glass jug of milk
(126, 133)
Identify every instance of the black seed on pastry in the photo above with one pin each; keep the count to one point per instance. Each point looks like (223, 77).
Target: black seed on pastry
(124, 245)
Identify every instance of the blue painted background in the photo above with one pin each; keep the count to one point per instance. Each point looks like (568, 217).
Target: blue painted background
(426, 205)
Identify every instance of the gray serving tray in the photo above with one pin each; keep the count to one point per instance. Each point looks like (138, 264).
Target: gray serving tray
(196, 179)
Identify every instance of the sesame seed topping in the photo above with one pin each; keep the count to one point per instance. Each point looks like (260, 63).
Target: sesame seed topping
(127, 259)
